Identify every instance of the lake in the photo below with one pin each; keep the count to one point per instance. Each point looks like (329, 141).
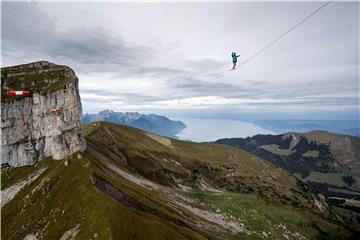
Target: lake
(204, 130)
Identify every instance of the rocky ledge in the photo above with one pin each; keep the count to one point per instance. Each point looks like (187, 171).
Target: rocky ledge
(45, 122)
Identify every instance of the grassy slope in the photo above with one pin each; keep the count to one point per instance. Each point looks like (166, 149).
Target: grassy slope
(41, 79)
(64, 196)
(71, 191)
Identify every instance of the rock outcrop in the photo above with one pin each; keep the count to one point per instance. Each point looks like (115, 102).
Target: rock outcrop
(45, 123)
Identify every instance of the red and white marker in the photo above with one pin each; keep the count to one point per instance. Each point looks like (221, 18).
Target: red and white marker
(17, 93)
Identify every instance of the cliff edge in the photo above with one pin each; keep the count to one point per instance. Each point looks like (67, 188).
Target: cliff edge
(47, 120)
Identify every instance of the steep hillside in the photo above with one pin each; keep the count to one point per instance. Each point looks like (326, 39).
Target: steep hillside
(304, 152)
(153, 123)
(135, 185)
(329, 163)
(44, 123)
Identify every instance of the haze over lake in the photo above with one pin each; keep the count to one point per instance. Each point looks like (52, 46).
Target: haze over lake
(204, 130)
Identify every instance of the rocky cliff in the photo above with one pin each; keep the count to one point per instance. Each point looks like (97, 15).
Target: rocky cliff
(47, 122)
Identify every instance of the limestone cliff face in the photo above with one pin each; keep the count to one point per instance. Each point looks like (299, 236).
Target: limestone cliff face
(45, 123)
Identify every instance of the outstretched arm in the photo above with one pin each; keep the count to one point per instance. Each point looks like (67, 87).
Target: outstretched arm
(238, 56)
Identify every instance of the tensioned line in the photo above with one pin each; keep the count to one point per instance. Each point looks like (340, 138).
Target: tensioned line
(286, 32)
(273, 41)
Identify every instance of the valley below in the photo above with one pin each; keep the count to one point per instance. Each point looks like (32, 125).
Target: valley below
(124, 176)
(327, 162)
(129, 184)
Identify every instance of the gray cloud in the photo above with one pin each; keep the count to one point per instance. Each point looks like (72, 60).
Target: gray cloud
(95, 46)
(196, 87)
(133, 55)
(27, 29)
(109, 96)
(24, 27)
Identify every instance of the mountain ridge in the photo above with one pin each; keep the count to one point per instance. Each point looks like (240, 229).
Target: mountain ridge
(329, 163)
(342, 149)
(176, 189)
(154, 123)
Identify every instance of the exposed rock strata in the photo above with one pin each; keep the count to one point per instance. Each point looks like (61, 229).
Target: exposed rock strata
(46, 123)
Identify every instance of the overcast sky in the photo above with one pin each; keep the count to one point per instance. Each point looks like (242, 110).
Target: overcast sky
(176, 56)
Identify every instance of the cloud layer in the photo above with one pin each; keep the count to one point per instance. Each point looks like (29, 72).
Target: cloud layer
(176, 56)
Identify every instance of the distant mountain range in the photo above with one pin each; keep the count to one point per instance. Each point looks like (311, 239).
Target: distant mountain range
(153, 123)
(303, 152)
(327, 162)
(347, 127)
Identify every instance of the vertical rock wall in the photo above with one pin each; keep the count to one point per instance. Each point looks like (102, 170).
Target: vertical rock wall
(46, 123)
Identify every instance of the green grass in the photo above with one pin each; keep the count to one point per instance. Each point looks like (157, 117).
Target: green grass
(14, 175)
(146, 155)
(339, 190)
(71, 191)
(335, 179)
(273, 148)
(259, 215)
(313, 154)
(35, 81)
(65, 197)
